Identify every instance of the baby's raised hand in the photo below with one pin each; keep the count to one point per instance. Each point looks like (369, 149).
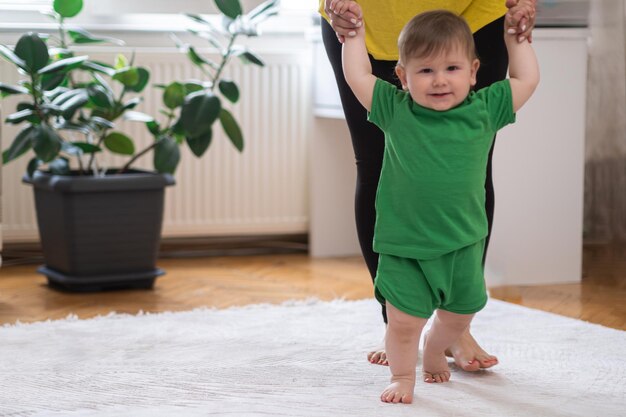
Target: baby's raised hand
(520, 19)
(345, 17)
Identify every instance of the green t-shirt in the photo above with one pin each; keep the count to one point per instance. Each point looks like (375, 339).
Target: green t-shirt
(431, 194)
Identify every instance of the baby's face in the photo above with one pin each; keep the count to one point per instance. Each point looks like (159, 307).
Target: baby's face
(439, 82)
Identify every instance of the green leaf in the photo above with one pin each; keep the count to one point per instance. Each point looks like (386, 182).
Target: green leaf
(231, 127)
(24, 105)
(101, 81)
(8, 90)
(33, 51)
(102, 123)
(68, 8)
(198, 19)
(99, 67)
(120, 62)
(75, 102)
(87, 147)
(77, 127)
(52, 95)
(229, 89)
(144, 76)
(46, 142)
(52, 81)
(230, 8)
(200, 144)
(244, 27)
(21, 144)
(182, 46)
(81, 36)
(198, 60)
(119, 143)
(60, 166)
(10, 56)
(192, 87)
(27, 85)
(100, 97)
(57, 53)
(63, 95)
(178, 128)
(64, 65)
(50, 108)
(166, 155)
(136, 116)
(128, 76)
(199, 112)
(213, 40)
(248, 57)
(33, 165)
(70, 149)
(20, 116)
(264, 10)
(132, 103)
(174, 95)
(153, 127)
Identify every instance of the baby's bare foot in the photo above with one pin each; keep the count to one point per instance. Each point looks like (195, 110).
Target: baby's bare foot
(399, 391)
(378, 355)
(468, 355)
(434, 365)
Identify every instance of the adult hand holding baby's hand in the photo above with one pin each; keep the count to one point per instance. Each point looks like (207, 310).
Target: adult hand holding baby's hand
(345, 17)
(520, 19)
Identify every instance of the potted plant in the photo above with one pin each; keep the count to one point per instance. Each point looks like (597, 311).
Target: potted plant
(100, 228)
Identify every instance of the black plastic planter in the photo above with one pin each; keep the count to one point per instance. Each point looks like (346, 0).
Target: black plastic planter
(100, 233)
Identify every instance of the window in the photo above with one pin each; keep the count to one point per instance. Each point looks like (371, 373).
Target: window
(191, 6)
(36, 5)
(152, 6)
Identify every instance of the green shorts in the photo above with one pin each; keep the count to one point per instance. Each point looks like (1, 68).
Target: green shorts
(453, 282)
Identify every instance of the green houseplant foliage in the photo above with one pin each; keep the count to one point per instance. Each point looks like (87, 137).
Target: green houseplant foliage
(68, 93)
(101, 230)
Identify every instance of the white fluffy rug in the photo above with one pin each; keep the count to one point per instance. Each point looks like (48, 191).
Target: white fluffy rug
(299, 359)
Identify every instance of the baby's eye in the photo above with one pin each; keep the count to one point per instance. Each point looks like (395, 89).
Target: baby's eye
(453, 67)
(425, 71)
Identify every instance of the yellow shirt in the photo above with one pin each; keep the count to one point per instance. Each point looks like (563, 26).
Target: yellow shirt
(385, 19)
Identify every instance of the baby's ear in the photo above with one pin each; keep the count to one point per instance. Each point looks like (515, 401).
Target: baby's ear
(474, 71)
(401, 74)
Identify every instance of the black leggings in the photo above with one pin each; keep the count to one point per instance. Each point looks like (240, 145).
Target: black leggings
(368, 141)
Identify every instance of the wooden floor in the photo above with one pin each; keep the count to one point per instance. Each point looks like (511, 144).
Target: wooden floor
(238, 280)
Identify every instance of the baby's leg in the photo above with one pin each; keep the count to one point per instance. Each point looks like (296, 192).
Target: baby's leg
(402, 346)
(446, 329)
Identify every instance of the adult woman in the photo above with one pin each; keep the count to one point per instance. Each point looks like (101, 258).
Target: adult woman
(384, 21)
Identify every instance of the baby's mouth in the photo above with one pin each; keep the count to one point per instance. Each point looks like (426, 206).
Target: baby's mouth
(439, 95)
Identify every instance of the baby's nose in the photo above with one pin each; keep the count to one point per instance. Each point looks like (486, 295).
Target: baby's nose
(439, 79)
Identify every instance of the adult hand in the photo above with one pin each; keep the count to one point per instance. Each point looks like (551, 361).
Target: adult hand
(344, 23)
(521, 15)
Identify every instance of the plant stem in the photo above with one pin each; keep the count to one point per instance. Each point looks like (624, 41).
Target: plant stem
(81, 168)
(37, 97)
(92, 158)
(225, 58)
(62, 33)
(137, 156)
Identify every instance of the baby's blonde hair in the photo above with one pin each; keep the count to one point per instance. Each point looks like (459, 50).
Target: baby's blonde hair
(432, 33)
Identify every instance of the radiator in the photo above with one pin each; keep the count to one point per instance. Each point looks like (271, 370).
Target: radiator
(263, 190)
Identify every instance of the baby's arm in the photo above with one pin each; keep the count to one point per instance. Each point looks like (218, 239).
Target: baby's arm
(523, 69)
(357, 68)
